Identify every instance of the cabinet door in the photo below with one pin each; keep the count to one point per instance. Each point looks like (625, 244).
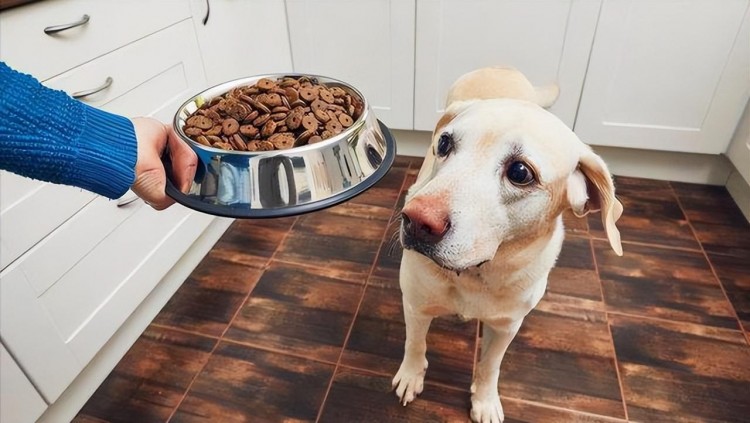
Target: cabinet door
(62, 300)
(667, 75)
(21, 403)
(547, 40)
(241, 38)
(367, 43)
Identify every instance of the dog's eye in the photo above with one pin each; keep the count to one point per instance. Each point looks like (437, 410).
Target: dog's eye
(519, 174)
(445, 144)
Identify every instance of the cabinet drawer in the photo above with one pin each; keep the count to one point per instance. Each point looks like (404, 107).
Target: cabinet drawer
(145, 75)
(25, 46)
(31, 210)
(68, 244)
(21, 402)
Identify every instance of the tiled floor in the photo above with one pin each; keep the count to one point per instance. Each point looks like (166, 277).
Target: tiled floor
(300, 320)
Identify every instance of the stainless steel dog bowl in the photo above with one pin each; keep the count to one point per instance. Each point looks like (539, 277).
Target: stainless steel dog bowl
(279, 183)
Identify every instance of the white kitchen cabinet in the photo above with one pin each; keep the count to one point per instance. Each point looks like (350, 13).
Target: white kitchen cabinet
(667, 75)
(66, 294)
(241, 38)
(547, 40)
(21, 403)
(367, 43)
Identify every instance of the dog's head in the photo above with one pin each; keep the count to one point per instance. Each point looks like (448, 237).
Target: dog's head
(501, 171)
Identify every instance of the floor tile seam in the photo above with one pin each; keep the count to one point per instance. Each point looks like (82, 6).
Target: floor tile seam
(620, 381)
(559, 408)
(616, 313)
(356, 312)
(713, 269)
(236, 313)
(265, 348)
(652, 245)
(390, 375)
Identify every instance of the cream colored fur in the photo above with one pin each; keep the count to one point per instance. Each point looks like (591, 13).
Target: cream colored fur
(515, 233)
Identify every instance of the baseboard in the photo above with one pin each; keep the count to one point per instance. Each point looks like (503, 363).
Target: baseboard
(669, 166)
(739, 189)
(70, 402)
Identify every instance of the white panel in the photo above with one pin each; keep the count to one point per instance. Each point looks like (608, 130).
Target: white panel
(167, 64)
(111, 25)
(60, 251)
(368, 44)
(547, 40)
(242, 38)
(21, 403)
(669, 75)
(28, 221)
(29, 336)
(14, 188)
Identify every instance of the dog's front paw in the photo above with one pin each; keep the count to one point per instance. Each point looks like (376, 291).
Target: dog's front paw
(409, 380)
(486, 408)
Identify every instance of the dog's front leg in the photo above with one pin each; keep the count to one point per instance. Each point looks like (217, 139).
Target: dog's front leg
(485, 399)
(409, 380)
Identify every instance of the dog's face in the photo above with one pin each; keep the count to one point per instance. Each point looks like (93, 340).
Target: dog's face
(500, 172)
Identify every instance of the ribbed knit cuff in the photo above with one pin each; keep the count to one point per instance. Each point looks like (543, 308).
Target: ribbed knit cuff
(108, 152)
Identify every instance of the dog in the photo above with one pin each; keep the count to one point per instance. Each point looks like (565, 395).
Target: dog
(482, 225)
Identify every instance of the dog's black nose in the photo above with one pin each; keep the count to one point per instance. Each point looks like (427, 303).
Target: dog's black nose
(418, 227)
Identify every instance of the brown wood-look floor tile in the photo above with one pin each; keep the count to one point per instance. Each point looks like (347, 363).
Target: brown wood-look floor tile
(148, 383)
(734, 273)
(345, 237)
(678, 372)
(252, 242)
(573, 280)
(385, 193)
(305, 311)
(242, 384)
(358, 396)
(524, 412)
(207, 300)
(573, 224)
(377, 341)
(563, 356)
(663, 283)
(718, 222)
(651, 215)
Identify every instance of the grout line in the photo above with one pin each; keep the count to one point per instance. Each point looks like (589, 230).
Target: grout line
(609, 330)
(181, 330)
(359, 305)
(236, 313)
(648, 244)
(347, 277)
(711, 266)
(558, 408)
(388, 375)
(668, 321)
(277, 351)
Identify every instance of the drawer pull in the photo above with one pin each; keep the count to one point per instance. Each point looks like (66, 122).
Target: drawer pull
(86, 93)
(124, 201)
(208, 12)
(59, 28)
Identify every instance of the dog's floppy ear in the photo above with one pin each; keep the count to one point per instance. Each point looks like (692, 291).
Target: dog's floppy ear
(590, 189)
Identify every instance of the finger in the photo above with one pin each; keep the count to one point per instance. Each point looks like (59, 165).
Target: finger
(184, 161)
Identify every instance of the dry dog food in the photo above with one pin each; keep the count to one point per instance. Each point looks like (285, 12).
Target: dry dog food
(274, 115)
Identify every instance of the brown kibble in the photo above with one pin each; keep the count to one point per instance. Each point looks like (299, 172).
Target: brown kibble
(303, 137)
(278, 117)
(251, 117)
(325, 95)
(230, 127)
(318, 104)
(265, 146)
(346, 120)
(308, 93)
(282, 140)
(294, 120)
(203, 140)
(310, 123)
(261, 120)
(291, 94)
(193, 131)
(238, 143)
(216, 130)
(280, 109)
(268, 129)
(326, 134)
(201, 122)
(249, 131)
(266, 84)
(314, 139)
(334, 126)
(322, 115)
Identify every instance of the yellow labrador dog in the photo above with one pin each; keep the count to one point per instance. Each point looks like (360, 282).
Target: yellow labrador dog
(482, 226)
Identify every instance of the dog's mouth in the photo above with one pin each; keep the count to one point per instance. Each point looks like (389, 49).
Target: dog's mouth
(430, 251)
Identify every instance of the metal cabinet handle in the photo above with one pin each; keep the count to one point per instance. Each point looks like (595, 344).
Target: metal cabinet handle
(124, 201)
(58, 28)
(86, 93)
(208, 12)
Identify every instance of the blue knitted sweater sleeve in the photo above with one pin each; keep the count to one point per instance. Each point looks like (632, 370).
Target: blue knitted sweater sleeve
(47, 135)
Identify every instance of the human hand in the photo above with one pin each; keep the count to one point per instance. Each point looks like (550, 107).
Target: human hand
(150, 177)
